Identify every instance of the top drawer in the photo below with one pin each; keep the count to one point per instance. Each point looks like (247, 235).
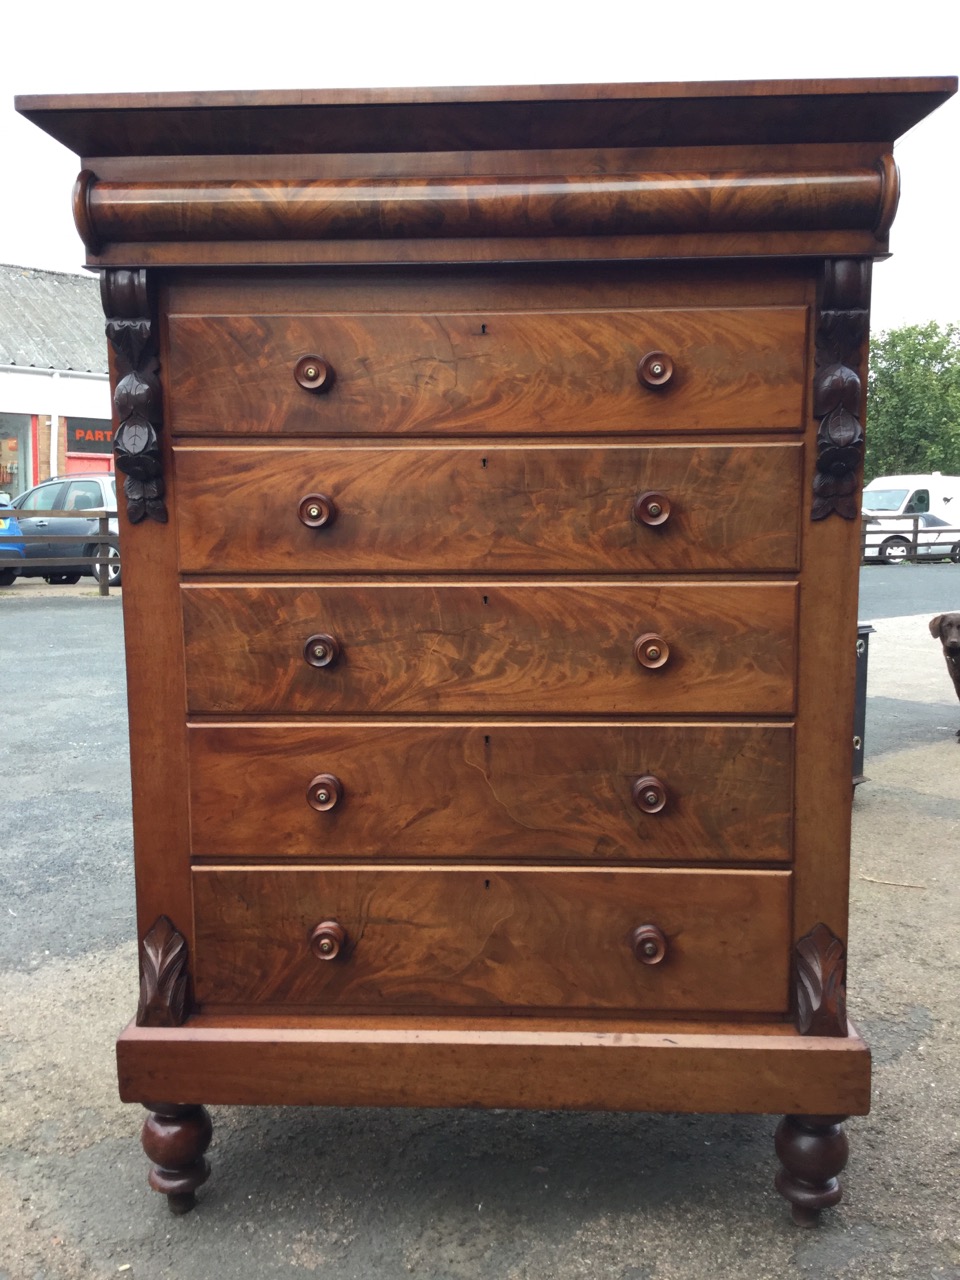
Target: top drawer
(478, 374)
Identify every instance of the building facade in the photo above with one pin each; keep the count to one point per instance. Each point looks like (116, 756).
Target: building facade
(55, 411)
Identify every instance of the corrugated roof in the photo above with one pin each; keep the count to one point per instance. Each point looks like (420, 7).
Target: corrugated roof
(51, 320)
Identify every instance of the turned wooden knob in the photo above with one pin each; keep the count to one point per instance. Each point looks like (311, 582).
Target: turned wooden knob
(648, 943)
(324, 792)
(313, 374)
(322, 650)
(316, 510)
(651, 650)
(328, 939)
(649, 794)
(651, 508)
(655, 369)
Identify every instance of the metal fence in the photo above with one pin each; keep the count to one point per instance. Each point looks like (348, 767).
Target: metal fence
(908, 539)
(102, 539)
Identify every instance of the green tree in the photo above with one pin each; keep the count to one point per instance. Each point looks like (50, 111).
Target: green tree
(913, 422)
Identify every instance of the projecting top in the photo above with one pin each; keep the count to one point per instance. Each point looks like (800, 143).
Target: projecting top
(531, 116)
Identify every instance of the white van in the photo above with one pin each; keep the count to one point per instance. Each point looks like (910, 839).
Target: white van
(906, 513)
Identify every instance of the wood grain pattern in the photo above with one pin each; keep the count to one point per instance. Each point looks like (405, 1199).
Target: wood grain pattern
(556, 161)
(499, 287)
(479, 374)
(408, 207)
(494, 509)
(482, 118)
(470, 252)
(491, 648)
(826, 677)
(156, 697)
(486, 297)
(493, 938)
(509, 1062)
(560, 792)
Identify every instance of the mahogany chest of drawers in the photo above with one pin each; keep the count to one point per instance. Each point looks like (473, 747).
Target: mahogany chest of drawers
(490, 572)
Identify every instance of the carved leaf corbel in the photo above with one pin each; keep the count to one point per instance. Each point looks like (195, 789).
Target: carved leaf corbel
(842, 328)
(130, 330)
(163, 977)
(821, 983)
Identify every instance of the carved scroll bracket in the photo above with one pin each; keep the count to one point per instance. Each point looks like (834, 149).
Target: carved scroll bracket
(164, 977)
(842, 328)
(821, 983)
(131, 330)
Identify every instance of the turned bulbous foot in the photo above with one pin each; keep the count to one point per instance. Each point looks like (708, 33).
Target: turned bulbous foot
(174, 1137)
(812, 1151)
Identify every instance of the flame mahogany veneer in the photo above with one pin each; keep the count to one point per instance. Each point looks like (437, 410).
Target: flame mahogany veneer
(492, 463)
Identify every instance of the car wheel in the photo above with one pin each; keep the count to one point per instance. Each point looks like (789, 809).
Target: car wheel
(61, 579)
(7, 577)
(894, 550)
(113, 565)
(955, 553)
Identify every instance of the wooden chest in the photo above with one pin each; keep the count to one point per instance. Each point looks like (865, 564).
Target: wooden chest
(490, 572)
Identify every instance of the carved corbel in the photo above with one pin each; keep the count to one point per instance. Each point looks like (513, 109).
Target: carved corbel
(131, 330)
(164, 977)
(820, 969)
(842, 330)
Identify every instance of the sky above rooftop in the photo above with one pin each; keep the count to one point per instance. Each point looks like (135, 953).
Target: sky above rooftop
(69, 48)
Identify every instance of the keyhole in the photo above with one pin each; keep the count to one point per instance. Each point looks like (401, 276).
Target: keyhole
(486, 884)
(486, 599)
(483, 463)
(483, 328)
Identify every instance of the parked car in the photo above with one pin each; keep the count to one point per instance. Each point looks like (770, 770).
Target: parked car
(936, 539)
(89, 492)
(10, 547)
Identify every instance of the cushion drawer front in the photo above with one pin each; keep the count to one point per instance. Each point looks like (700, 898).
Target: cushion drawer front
(495, 509)
(493, 648)
(493, 938)
(477, 374)
(538, 792)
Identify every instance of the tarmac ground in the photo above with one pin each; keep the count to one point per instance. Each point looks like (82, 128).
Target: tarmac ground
(444, 1195)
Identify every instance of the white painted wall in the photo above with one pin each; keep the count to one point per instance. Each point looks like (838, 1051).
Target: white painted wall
(35, 390)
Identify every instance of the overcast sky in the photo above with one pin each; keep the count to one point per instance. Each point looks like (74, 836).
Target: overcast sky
(189, 44)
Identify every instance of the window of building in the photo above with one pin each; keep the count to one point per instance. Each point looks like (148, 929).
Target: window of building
(14, 453)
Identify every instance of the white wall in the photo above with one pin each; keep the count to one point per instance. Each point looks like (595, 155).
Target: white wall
(67, 394)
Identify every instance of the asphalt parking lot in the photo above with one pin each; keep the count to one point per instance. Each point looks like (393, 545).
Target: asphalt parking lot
(456, 1195)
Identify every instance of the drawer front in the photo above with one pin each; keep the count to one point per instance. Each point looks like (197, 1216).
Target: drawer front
(493, 648)
(718, 793)
(471, 509)
(493, 938)
(477, 374)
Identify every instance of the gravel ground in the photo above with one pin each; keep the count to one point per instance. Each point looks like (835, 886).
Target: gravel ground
(449, 1195)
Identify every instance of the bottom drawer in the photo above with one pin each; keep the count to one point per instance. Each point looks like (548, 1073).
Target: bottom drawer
(503, 938)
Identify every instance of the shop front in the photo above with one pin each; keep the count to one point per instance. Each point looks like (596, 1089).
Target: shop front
(89, 445)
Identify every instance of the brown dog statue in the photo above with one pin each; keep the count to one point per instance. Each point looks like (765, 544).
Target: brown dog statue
(945, 627)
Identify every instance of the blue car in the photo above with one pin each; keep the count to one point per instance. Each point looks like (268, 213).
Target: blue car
(10, 546)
